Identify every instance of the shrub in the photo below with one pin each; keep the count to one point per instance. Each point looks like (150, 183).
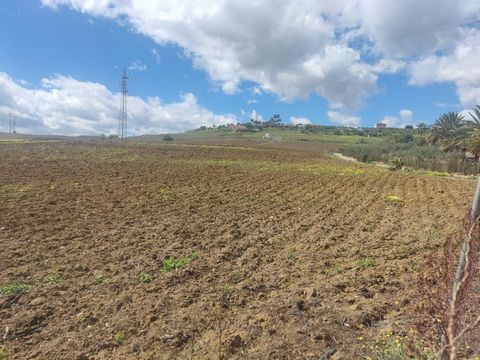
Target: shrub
(395, 164)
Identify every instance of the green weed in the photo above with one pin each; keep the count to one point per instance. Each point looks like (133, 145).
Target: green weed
(99, 279)
(173, 263)
(163, 194)
(119, 337)
(52, 278)
(226, 288)
(366, 263)
(145, 278)
(3, 353)
(15, 288)
(291, 254)
(394, 347)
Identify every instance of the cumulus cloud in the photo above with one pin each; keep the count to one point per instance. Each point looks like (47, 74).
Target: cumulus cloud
(343, 119)
(405, 118)
(390, 121)
(336, 49)
(459, 66)
(300, 121)
(63, 105)
(256, 116)
(287, 48)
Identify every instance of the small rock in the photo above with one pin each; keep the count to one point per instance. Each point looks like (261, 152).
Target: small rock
(310, 293)
(338, 356)
(235, 343)
(82, 357)
(301, 305)
(37, 301)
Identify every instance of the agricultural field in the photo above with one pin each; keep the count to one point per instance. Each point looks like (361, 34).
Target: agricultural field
(234, 250)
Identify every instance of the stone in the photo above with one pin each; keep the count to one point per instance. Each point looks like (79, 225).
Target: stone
(37, 301)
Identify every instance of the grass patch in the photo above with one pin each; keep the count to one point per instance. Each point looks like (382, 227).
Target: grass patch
(173, 263)
(145, 278)
(366, 263)
(52, 278)
(17, 187)
(317, 169)
(15, 288)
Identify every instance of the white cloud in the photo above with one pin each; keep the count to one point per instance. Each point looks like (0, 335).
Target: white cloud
(63, 105)
(414, 28)
(299, 121)
(293, 49)
(344, 119)
(467, 114)
(287, 48)
(158, 58)
(459, 66)
(255, 115)
(252, 101)
(390, 121)
(137, 65)
(405, 118)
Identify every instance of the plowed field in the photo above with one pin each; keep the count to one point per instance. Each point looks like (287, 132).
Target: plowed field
(195, 251)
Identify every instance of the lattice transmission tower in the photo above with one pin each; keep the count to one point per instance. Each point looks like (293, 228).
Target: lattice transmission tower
(123, 116)
(13, 129)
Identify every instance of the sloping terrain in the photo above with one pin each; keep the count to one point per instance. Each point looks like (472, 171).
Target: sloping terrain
(196, 251)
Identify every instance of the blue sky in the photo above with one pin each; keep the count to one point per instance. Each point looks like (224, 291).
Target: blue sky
(57, 53)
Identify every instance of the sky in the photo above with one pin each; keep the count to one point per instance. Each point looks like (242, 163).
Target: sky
(206, 62)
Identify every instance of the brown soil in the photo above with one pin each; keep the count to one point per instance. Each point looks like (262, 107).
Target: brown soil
(297, 254)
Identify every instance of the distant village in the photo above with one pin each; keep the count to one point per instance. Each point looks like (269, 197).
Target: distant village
(255, 125)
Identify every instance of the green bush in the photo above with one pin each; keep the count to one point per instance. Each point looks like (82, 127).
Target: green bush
(395, 163)
(412, 155)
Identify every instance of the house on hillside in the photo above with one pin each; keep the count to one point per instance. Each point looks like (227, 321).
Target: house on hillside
(380, 125)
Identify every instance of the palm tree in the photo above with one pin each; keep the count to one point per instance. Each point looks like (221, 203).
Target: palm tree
(450, 131)
(473, 141)
(474, 122)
